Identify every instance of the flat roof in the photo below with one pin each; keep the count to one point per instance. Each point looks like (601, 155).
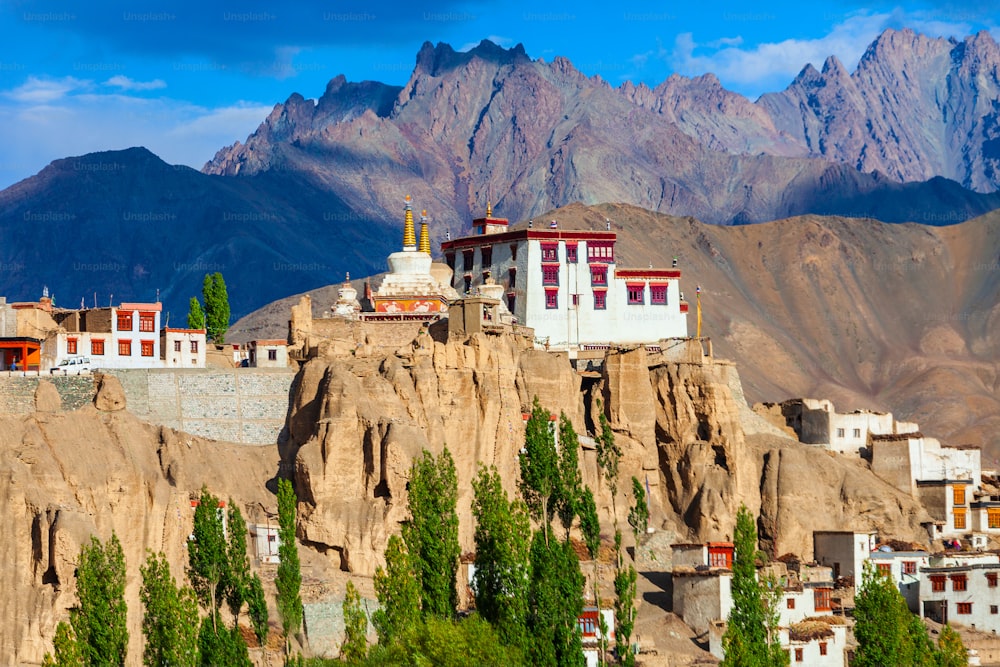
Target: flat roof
(476, 240)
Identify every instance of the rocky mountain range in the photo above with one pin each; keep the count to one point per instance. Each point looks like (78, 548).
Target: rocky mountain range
(316, 191)
(533, 135)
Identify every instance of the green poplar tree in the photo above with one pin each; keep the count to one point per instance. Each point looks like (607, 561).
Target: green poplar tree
(99, 622)
(289, 577)
(208, 562)
(196, 316)
(398, 594)
(638, 516)
(170, 617)
(555, 602)
(539, 466)
(886, 631)
(217, 313)
(625, 578)
(355, 645)
(66, 648)
(750, 637)
(257, 608)
(952, 650)
(503, 539)
(219, 645)
(570, 483)
(609, 456)
(238, 573)
(431, 535)
(590, 526)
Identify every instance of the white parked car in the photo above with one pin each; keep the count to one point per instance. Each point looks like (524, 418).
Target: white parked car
(72, 366)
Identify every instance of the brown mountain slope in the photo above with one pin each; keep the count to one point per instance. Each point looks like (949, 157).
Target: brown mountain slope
(896, 317)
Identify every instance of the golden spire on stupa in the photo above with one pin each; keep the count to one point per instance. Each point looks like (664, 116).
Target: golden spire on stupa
(489, 209)
(409, 236)
(425, 237)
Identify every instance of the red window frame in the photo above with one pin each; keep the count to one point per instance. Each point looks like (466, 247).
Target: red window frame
(551, 299)
(937, 583)
(636, 293)
(959, 582)
(71, 346)
(798, 655)
(600, 300)
(909, 567)
(147, 322)
(550, 252)
(821, 599)
(571, 254)
(601, 252)
(991, 579)
(963, 608)
(124, 347)
(97, 347)
(272, 355)
(194, 346)
(124, 321)
(598, 275)
(550, 274)
(790, 603)
(822, 648)
(177, 346)
(146, 348)
(657, 294)
(885, 569)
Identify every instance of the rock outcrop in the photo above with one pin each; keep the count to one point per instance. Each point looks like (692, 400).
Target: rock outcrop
(357, 423)
(67, 476)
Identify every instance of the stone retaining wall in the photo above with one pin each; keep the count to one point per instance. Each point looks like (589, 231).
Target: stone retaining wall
(244, 405)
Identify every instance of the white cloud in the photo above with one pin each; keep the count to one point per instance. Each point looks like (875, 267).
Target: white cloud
(125, 83)
(37, 90)
(505, 42)
(772, 65)
(36, 129)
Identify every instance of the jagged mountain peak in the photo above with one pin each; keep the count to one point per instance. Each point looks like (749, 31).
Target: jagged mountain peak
(437, 60)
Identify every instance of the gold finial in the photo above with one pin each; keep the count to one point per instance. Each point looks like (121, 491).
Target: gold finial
(489, 209)
(409, 237)
(425, 237)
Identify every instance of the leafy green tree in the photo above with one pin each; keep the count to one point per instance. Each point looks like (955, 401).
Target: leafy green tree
(886, 631)
(539, 465)
(289, 577)
(398, 594)
(590, 524)
(216, 297)
(625, 578)
(503, 538)
(355, 645)
(447, 643)
(237, 581)
(570, 487)
(220, 645)
(556, 602)
(196, 316)
(208, 561)
(257, 608)
(608, 456)
(170, 617)
(951, 649)
(99, 622)
(638, 516)
(750, 637)
(431, 535)
(66, 648)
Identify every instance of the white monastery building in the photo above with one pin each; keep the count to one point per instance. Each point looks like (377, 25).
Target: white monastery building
(567, 285)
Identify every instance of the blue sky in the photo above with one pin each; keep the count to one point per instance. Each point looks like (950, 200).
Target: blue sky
(185, 78)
